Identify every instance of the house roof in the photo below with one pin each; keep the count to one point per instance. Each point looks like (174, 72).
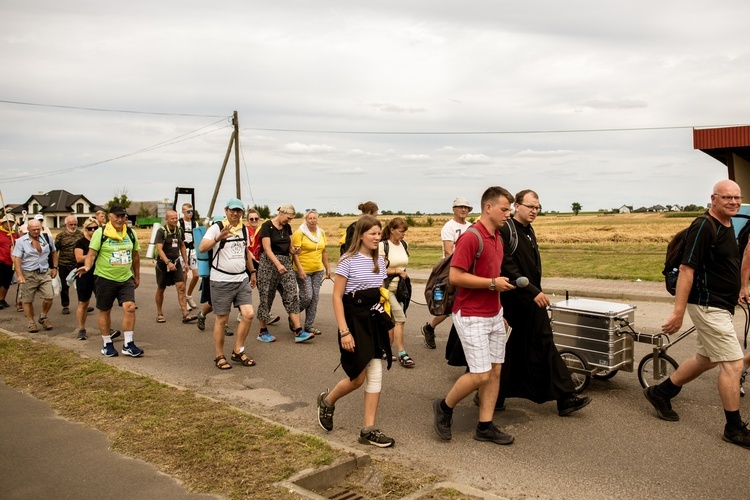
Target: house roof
(57, 200)
(722, 142)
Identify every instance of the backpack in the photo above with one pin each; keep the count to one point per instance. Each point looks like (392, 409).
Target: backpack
(742, 238)
(513, 238)
(438, 292)
(675, 252)
(188, 244)
(346, 238)
(222, 243)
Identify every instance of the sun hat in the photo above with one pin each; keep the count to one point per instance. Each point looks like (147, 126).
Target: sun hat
(462, 202)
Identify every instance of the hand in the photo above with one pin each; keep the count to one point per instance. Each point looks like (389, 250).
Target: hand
(253, 280)
(20, 279)
(673, 324)
(347, 343)
(402, 274)
(281, 269)
(744, 295)
(136, 280)
(53, 273)
(82, 270)
(301, 274)
(541, 300)
(503, 284)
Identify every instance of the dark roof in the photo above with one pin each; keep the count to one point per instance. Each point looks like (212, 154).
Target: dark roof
(57, 200)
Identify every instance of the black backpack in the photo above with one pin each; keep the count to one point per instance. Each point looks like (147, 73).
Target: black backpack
(675, 252)
(742, 238)
(439, 277)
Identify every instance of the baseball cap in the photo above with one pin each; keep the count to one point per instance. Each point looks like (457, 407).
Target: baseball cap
(117, 209)
(39, 217)
(235, 203)
(462, 202)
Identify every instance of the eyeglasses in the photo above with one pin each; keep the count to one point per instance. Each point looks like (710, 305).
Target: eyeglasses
(533, 208)
(188, 211)
(92, 228)
(236, 210)
(729, 198)
(253, 219)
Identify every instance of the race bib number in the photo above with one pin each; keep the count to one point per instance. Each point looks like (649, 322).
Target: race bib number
(120, 258)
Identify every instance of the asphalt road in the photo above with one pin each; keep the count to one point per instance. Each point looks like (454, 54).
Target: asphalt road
(614, 448)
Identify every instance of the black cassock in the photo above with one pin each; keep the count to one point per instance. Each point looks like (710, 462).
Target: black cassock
(533, 368)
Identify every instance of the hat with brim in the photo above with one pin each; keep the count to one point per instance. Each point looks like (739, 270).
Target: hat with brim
(462, 202)
(9, 218)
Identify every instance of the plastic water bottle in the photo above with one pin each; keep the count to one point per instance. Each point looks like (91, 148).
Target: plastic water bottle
(71, 277)
(438, 293)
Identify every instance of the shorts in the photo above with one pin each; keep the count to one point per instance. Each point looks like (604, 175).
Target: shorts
(107, 291)
(717, 339)
(397, 311)
(225, 294)
(483, 340)
(6, 275)
(36, 282)
(192, 260)
(85, 287)
(166, 278)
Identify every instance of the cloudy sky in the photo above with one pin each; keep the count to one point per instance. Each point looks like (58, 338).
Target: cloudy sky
(408, 103)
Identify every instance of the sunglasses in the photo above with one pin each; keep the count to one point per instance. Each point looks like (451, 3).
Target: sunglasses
(253, 219)
(311, 210)
(188, 211)
(92, 228)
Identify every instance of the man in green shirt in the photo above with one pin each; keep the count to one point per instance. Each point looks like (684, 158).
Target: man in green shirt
(114, 252)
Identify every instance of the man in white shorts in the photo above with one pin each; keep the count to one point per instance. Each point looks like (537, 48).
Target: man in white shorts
(478, 318)
(187, 223)
(449, 234)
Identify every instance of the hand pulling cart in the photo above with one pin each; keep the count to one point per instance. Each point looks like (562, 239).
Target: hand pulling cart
(595, 339)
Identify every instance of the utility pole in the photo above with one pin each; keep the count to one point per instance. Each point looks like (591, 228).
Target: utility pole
(234, 140)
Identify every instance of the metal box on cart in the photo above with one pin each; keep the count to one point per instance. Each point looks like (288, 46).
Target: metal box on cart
(593, 330)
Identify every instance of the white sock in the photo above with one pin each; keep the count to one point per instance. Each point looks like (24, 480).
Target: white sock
(128, 337)
(107, 339)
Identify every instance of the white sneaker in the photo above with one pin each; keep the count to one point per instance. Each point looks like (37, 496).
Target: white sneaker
(191, 303)
(239, 317)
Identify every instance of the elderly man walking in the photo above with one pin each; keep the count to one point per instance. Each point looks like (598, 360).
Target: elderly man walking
(65, 242)
(170, 244)
(31, 257)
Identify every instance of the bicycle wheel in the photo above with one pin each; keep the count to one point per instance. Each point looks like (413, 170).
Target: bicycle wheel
(648, 376)
(579, 370)
(604, 374)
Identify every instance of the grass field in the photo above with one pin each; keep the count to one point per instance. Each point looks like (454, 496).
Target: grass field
(613, 246)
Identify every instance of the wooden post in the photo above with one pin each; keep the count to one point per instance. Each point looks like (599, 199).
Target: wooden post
(236, 122)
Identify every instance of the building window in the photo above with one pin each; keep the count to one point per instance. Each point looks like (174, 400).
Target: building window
(34, 208)
(79, 208)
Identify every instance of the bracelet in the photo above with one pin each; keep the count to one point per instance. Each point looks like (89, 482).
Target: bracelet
(345, 335)
(253, 271)
(343, 332)
(53, 267)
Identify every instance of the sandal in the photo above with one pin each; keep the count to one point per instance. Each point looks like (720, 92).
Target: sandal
(243, 358)
(405, 360)
(33, 328)
(188, 318)
(222, 363)
(160, 319)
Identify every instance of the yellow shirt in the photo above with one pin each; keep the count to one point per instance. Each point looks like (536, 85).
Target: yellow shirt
(311, 253)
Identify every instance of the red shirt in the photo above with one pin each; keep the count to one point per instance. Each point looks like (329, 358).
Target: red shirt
(481, 302)
(254, 244)
(6, 241)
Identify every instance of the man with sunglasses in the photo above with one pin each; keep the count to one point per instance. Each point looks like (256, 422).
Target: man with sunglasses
(65, 243)
(708, 287)
(187, 224)
(533, 368)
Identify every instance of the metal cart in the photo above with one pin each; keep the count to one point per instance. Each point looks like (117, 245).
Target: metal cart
(595, 339)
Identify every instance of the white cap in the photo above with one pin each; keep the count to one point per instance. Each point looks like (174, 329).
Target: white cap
(462, 202)
(39, 217)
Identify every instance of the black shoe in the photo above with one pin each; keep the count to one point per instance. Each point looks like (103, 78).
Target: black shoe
(493, 434)
(429, 336)
(274, 320)
(90, 309)
(739, 436)
(662, 405)
(571, 404)
(499, 404)
(325, 412)
(4, 304)
(82, 334)
(376, 438)
(443, 421)
(66, 310)
(113, 334)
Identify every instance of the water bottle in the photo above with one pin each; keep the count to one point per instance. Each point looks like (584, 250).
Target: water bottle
(71, 277)
(438, 293)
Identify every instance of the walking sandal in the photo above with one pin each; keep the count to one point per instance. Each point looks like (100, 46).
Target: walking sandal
(222, 363)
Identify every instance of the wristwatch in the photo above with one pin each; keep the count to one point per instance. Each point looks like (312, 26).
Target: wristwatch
(493, 287)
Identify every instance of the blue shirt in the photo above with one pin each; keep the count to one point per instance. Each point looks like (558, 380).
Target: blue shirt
(31, 259)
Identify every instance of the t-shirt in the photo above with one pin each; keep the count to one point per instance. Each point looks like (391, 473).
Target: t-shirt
(232, 259)
(115, 258)
(83, 244)
(187, 227)
(170, 240)
(481, 302)
(716, 281)
(6, 241)
(65, 242)
(397, 256)
(281, 239)
(311, 252)
(452, 230)
(358, 271)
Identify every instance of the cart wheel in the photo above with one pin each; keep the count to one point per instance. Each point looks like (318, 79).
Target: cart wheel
(648, 376)
(604, 374)
(579, 370)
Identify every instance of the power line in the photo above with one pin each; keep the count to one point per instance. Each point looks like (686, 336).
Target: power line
(102, 110)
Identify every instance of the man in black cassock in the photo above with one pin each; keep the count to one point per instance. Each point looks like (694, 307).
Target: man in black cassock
(533, 368)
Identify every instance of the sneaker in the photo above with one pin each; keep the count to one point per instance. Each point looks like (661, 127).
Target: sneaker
(742, 382)
(132, 350)
(82, 334)
(109, 350)
(65, 310)
(303, 337)
(274, 320)
(739, 436)
(325, 412)
(376, 438)
(4, 304)
(113, 334)
(266, 337)
(45, 323)
(429, 336)
(201, 322)
(571, 404)
(90, 309)
(191, 303)
(662, 405)
(493, 434)
(227, 331)
(499, 404)
(443, 421)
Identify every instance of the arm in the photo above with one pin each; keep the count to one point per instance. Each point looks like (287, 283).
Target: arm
(347, 340)
(88, 263)
(266, 243)
(326, 264)
(684, 285)
(464, 279)
(745, 275)
(53, 269)
(251, 266)
(448, 246)
(137, 268)
(80, 257)
(17, 267)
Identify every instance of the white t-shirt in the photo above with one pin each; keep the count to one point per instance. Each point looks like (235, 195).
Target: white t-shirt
(397, 256)
(452, 230)
(231, 258)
